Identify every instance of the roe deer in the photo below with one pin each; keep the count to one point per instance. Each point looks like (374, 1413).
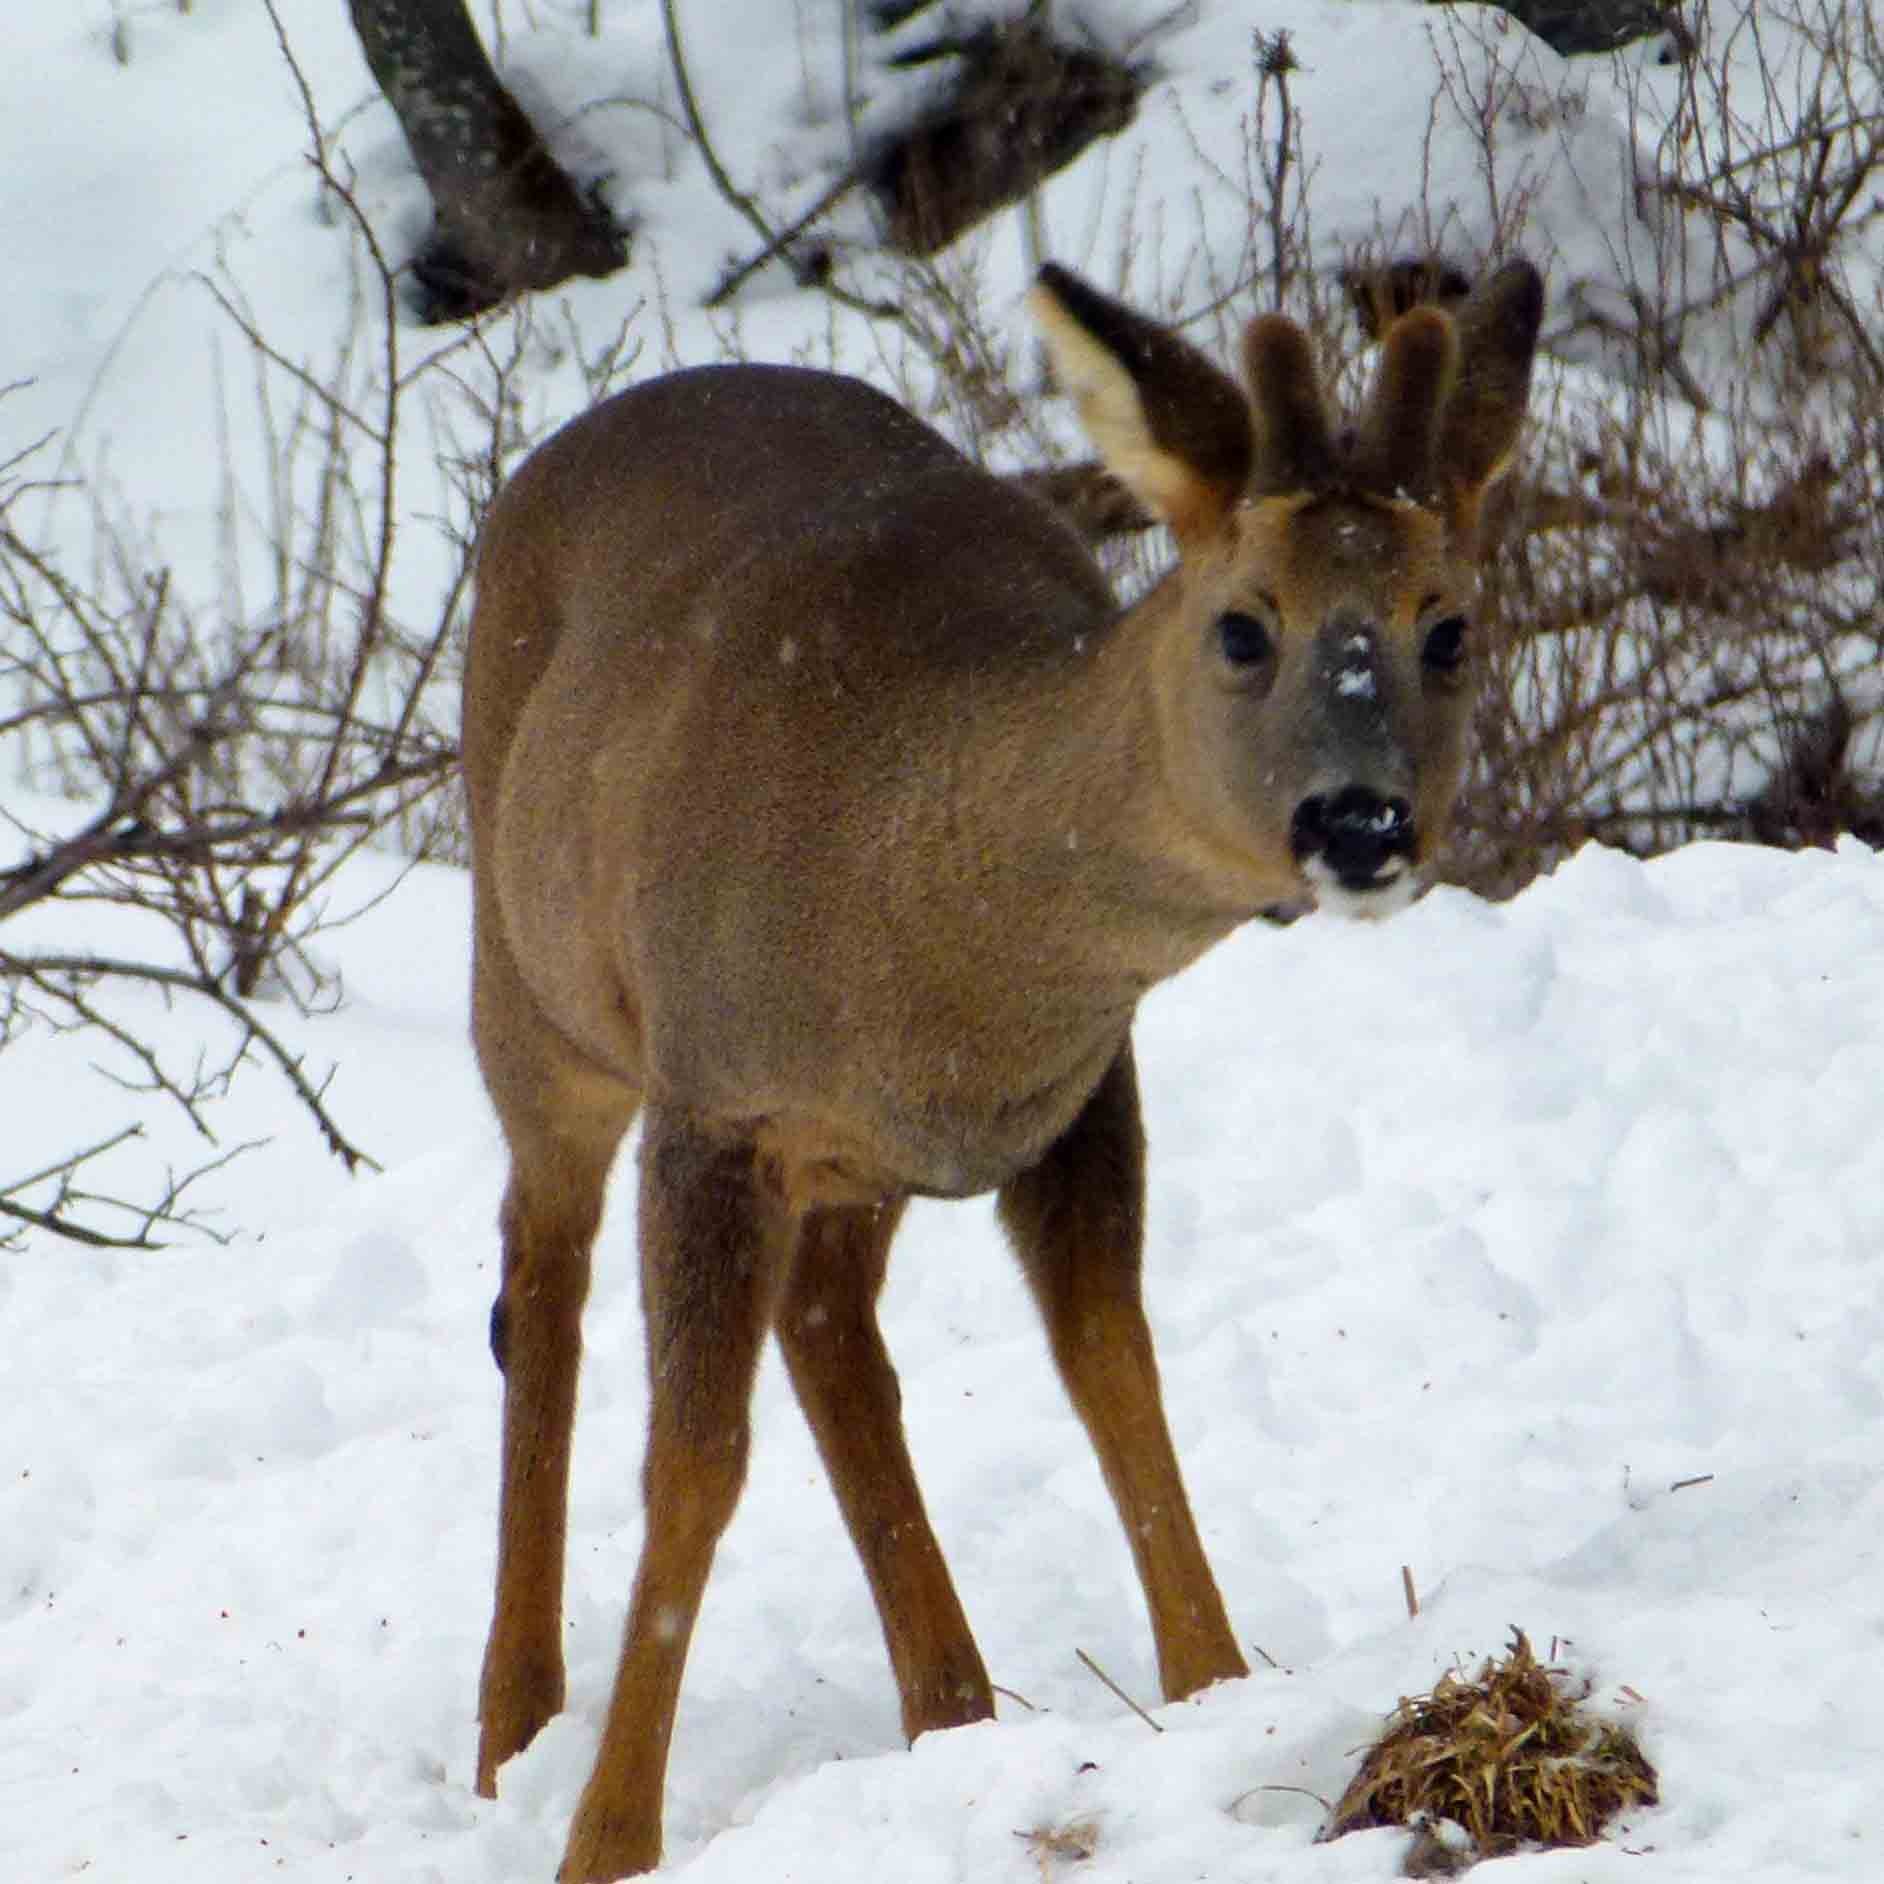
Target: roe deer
(827, 811)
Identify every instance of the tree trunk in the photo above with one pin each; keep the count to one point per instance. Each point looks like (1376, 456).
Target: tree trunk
(508, 217)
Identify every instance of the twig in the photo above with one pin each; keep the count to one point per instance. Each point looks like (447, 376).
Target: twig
(730, 191)
(696, 124)
(70, 1231)
(39, 968)
(1116, 1689)
(736, 278)
(1278, 1786)
(56, 1221)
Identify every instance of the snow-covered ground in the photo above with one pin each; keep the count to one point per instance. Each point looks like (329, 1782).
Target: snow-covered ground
(1473, 1236)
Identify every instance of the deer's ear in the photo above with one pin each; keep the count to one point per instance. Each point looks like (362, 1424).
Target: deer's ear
(1170, 426)
(1295, 445)
(1498, 325)
(1396, 450)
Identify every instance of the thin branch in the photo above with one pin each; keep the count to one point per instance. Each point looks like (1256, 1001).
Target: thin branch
(775, 246)
(56, 1217)
(38, 967)
(1120, 1692)
(730, 191)
(696, 125)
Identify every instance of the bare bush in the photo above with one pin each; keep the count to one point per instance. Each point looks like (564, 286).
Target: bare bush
(1775, 150)
(229, 761)
(231, 755)
(1684, 632)
(1684, 620)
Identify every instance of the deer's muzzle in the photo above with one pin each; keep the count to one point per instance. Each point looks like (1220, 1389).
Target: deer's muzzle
(1357, 836)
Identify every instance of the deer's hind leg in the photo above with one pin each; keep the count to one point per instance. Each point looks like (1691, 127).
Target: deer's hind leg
(563, 1118)
(716, 1237)
(1076, 1220)
(841, 1371)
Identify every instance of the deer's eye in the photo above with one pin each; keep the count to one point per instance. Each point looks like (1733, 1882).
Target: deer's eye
(1244, 639)
(1444, 651)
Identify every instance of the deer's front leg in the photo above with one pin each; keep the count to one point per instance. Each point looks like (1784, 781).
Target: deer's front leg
(715, 1239)
(834, 1349)
(1077, 1223)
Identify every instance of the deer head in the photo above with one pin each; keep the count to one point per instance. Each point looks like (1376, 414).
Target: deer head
(1314, 646)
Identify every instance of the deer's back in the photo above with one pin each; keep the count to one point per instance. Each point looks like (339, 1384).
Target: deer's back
(754, 691)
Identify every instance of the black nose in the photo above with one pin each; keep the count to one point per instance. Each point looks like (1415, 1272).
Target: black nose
(1355, 832)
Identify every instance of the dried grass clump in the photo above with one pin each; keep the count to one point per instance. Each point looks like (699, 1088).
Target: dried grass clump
(1052, 1846)
(1511, 1758)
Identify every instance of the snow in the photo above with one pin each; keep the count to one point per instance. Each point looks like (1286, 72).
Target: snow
(1473, 1235)
(1533, 1248)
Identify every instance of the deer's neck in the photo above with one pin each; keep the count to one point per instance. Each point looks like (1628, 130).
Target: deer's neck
(1074, 786)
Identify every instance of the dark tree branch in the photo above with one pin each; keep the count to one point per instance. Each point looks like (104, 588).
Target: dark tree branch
(509, 217)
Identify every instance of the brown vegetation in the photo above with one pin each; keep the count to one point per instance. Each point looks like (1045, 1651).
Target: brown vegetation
(1510, 1759)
